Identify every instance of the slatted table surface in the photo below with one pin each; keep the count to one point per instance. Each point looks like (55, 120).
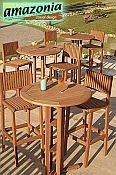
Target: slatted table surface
(38, 50)
(73, 94)
(78, 36)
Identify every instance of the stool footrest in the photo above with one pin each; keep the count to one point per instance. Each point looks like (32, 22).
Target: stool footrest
(30, 139)
(71, 167)
(98, 138)
(53, 148)
(34, 129)
(54, 123)
(8, 136)
(75, 128)
(17, 127)
(97, 130)
(77, 139)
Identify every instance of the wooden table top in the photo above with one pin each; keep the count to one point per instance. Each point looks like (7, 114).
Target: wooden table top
(38, 50)
(73, 94)
(78, 36)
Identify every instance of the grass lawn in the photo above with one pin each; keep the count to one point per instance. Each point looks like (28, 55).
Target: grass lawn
(108, 25)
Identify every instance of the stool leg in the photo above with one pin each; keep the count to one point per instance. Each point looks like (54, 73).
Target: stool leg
(88, 140)
(62, 138)
(51, 139)
(60, 141)
(79, 72)
(28, 124)
(17, 91)
(66, 75)
(3, 127)
(47, 115)
(71, 79)
(56, 74)
(84, 123)
(66, 129)
(72, 72)
(50, 73)
(14, 139)
(63, 75)
(91, 52)
(42, 133)
(55, 71)
(101, 61)
(106, 131)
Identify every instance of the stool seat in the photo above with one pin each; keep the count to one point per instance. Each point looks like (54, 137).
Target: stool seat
(91, 46)
(18, 63)
(93, 104)
(63, 66)
(16, 103)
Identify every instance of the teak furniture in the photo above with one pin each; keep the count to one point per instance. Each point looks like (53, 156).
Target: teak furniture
(9, 50)
(77, 37)
(95, 44)
(59, 97)
(101, 83)
(73, 52)
(36, 51)
(13, 81)
(50, 36)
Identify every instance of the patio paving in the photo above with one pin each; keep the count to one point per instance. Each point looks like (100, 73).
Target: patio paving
(10, 32)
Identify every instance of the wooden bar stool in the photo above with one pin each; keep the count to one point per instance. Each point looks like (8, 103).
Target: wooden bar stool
(13, 81)
(102, 83)
(49, 37)
(74, 53)
(95, 44)
(9, 50)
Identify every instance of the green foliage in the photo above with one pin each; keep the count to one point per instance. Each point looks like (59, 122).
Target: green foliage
(99, 13)
(98, 3)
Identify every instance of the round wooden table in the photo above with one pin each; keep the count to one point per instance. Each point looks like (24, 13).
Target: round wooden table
(77, 37)
(38, 50)
(59, 97)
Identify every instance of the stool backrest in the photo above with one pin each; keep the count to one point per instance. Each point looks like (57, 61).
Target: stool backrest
(14, 80)
(99, 82)
(50, 36)
(9, 49)
(98, 35)
(73, 51)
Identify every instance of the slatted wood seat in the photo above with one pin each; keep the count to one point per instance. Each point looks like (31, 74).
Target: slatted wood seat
(8, 50)
(93, 104)
(17, 63)
(17, 103)
(12, 81)
(95, 44)
(74, 53)
(64, 66)
(103, 84)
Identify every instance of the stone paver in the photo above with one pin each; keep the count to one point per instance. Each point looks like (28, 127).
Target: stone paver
(23, 34)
